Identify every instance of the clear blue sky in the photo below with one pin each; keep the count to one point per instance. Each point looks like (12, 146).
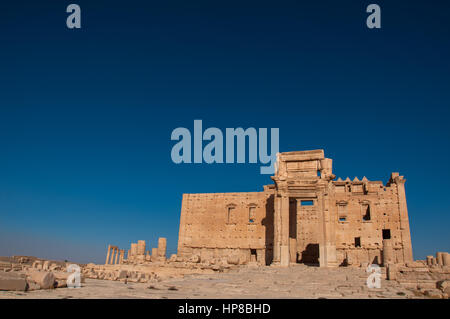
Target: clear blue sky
(86, 115)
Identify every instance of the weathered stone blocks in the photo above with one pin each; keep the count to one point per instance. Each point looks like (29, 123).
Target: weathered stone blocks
(46, 280)
(12, 281)
(162, 244)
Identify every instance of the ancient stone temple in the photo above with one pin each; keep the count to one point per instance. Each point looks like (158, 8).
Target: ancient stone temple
(306, 216)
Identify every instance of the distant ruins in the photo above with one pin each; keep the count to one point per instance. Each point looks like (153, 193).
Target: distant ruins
(137, 254)
(304, 217)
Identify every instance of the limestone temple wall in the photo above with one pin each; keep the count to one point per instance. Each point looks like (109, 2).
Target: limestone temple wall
(306, 216)
(366, 213)
(223, 224)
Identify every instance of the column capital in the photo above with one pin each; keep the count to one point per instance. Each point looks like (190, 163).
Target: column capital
(400, 180)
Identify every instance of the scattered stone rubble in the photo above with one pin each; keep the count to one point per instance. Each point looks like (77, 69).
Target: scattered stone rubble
(142, 270)
(420, 279)
(141, 265)
(23, 273)
(430, 277)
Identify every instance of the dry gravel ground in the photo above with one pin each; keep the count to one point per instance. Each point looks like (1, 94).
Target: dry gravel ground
(298, 281)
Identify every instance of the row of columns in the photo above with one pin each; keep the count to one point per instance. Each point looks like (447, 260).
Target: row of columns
(114, 255)
(441, 259)
(138, 252)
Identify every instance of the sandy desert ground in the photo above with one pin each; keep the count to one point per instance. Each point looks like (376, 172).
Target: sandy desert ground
(299, 281)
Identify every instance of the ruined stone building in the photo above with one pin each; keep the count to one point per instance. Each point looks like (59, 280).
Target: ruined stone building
(306, 216)
(137, 254)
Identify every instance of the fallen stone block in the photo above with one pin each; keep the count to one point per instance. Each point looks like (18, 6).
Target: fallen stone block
(61, 278)
(46, 265)
(444, 286)
(391, 272)
(122, 274)
(12, 281)
(54, 266)
(426, 285)
(433, 293)
(60, 283)
(46, 280)
(32, 286)
(415, 264)
(233, 260)
(60, 275)
(195, 259)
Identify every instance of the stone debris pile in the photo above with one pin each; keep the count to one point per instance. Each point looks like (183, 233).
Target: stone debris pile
(22, 273)
(430, 277)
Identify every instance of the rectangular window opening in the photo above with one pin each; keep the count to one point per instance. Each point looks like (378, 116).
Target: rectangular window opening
(307, 203)
(357, 241)
(366, 212)
(251, 214)
(342, 212)
(386, 234)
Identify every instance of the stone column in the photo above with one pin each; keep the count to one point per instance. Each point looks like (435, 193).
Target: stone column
(284, 247)
(113, 251)
(117, 256)
(107, 254)
(323, 251)
(162, 244)
(276, 229)
(391, 272)
(141, 247)
(122, 254)
(404, 220)
(261, 256)
(133, 249)
(111, 259)
(429, 260)
(446, 259)
(439, 260)
(293, 250)
(388, 252)
(154, 254)
(328, 251)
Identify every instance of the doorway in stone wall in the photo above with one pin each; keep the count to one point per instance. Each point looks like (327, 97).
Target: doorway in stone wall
(253, 255)
(307, 232)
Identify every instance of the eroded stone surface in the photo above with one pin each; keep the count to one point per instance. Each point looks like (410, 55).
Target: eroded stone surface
(306, 216)
(298, 281)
